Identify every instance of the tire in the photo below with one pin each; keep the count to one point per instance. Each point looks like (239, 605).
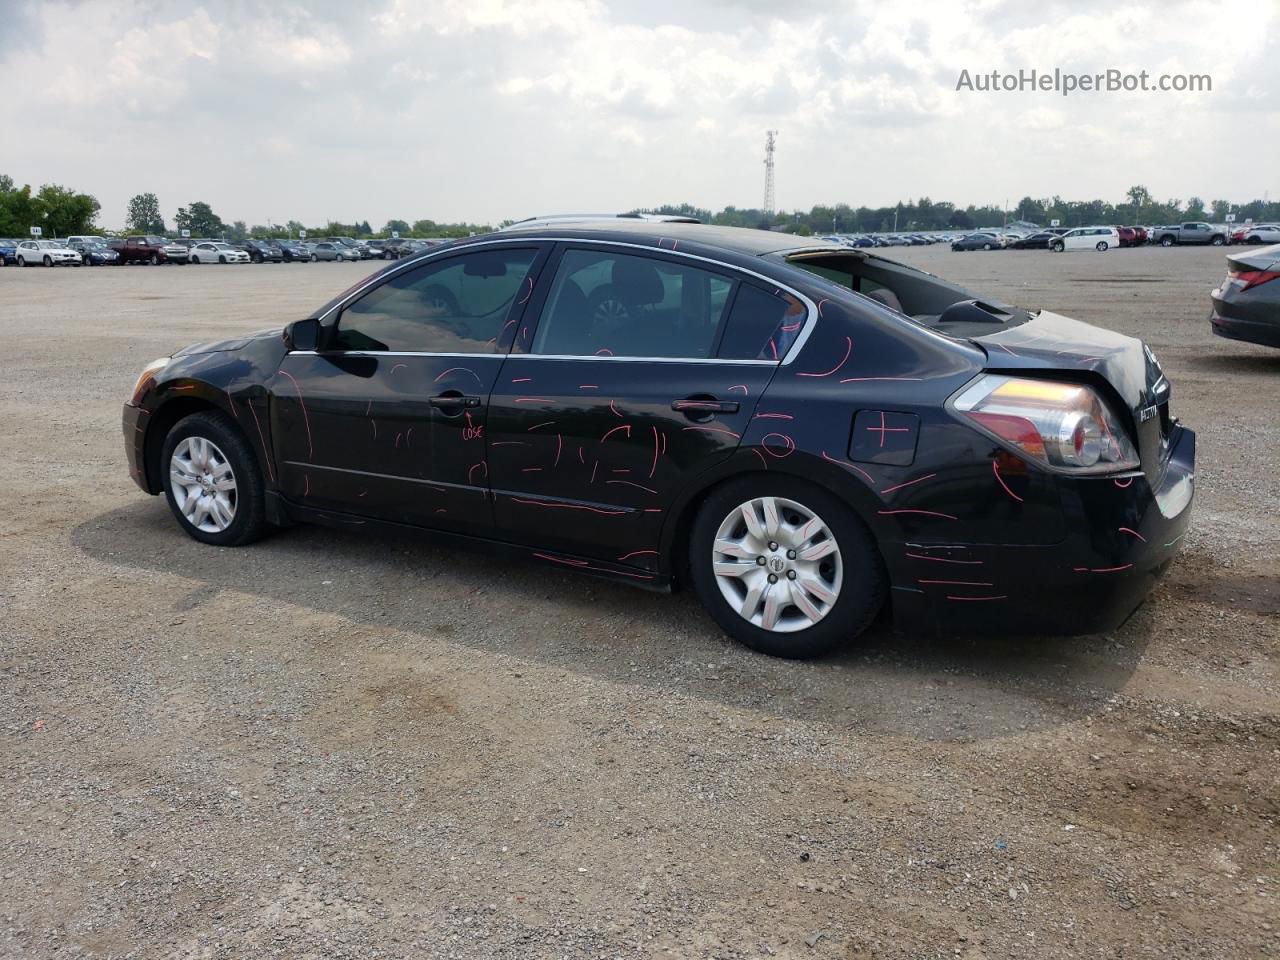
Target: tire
(22, 262)
(1166, 241)
(856, 579)
(986, 246)
(227, 446)
(256, 258)
(1217, 241)
(222, 259)
(314, 258)
(1101, 246)
(47, 261)
(1057, 247)
(193, 259)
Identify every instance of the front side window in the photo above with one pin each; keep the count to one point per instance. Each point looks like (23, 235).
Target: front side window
(613, 304)
(454, 305)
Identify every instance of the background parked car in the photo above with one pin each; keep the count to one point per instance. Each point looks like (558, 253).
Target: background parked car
(1036, 241)
(1246, 305)
(1257, 233)
(93, 250)
(294, 251)
(1132, 236)
(976, 241)
(51, 253)
(217, 251)
(1191, 232)
(1086, 238)
(263, 251)
(8, 252)
(148, 249)
(327, 250)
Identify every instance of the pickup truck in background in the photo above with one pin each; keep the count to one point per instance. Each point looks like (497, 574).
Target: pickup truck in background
(1198, 232)
(148, 250)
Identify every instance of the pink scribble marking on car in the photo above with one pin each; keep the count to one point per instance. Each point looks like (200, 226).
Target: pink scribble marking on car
(762, 457)
(530, 469)
(588, 386)
(636, 485)
(848, 350)
(959, 583)
(788, 445)
(922, 513)
(472, 470)
(613, 408)
(522, 380)
(509, 443)
(547, 423)
(927, 476)
(869, 379)
(609, 433)
(604, 352)
(559, 448)
(1125, 566)
(529, 280)
(921, 556)
(533, 400)
(570, 506)
(883, 429)
(1124, 486)
(468, 370)
(568, 560)
(397, 366)
(1133, 533)
(773, 416)
(638, 553)
(995, 468)
(742, 387)
(852, 466)
(1001, 597)
(266, 454)
(653, 468)
(306, 421)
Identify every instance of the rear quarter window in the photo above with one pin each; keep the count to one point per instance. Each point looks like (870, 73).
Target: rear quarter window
(762, 325)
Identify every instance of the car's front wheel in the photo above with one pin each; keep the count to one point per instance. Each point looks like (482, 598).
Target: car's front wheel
(1217, 241)
(1057, 247)
(785, 567)
(222, 259)
(48, 260)
(212, 481)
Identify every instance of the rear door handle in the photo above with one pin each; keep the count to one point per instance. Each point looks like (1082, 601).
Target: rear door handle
(696, 405)
(454, 401)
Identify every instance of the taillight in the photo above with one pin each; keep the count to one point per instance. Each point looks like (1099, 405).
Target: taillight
(1065, 426)
(1252, 278)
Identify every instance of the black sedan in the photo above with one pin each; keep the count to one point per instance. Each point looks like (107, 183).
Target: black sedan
(95, 253)
(294, 252)
(800, 431)
(977, 241)
(263, 251)
(1037, 241)
(1246, 306)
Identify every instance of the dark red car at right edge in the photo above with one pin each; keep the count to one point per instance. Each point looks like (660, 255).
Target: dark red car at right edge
(801, 432)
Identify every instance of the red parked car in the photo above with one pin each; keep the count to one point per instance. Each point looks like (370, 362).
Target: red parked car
(1132, 236)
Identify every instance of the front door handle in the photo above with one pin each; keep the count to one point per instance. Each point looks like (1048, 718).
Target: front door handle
(696, 405)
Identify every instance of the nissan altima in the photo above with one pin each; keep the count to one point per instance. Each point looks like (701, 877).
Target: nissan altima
(800, 432)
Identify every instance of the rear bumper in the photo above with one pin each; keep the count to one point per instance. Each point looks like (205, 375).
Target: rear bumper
(1251, 319)
(1123, 536)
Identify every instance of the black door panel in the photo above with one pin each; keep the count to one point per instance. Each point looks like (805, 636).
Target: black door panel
(586, 455)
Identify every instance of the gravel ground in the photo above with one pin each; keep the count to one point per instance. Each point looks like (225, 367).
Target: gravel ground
(333, 746)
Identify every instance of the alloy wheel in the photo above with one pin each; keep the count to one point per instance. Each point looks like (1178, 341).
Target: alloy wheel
(777, 563)
(203, 484)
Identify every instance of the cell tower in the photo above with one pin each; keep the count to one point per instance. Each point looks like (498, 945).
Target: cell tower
(768, 170)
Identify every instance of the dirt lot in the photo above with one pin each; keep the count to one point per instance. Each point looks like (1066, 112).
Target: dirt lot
(333, 746)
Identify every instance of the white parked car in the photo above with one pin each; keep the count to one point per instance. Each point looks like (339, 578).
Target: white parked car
(49, 252)
(215, 251)
(1087, 238)
(1262, 233)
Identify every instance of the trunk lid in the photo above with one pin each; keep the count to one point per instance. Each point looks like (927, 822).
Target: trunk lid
(1124, 368)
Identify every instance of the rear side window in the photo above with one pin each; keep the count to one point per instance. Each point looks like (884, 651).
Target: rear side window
(762, 325)
(611, 304)
(456, 305)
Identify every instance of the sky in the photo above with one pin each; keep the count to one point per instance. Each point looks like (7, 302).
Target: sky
(484, 110)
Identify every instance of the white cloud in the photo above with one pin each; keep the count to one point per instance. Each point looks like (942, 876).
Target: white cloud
(485, 109)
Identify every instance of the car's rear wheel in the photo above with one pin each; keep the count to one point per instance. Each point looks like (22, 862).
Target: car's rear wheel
(986, 246)
(314, 258)
(1166, 241)
(1101, 246)
(212, 481)
(785, 567)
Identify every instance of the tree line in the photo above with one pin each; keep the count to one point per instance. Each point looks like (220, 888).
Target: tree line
(60, 211)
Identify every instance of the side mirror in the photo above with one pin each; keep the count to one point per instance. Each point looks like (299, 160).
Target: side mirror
(302, 335)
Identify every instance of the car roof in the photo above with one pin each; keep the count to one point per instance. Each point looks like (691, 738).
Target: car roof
(740, 240)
